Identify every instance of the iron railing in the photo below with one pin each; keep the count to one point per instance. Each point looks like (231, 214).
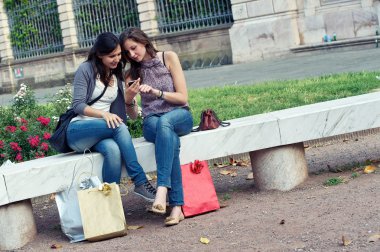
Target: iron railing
(34, 27)
(95, 16)
(180, 15)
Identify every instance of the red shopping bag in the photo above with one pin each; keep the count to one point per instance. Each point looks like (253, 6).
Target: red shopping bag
(198, 189)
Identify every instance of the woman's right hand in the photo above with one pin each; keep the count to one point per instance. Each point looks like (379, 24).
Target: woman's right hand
(131, 90)
(112, 120)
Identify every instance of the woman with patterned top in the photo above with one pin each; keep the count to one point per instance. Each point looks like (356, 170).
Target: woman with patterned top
(162, 86)
(101, 126)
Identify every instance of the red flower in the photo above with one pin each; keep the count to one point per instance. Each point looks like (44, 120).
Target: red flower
(2, 155)
(11, 129)
(24, 122)
(39, 155)
(44, 146)
(43, 120)
(23, 128)
(18, 156)
(14, 146)
(47, 135)
(34, 141)
(1, 144)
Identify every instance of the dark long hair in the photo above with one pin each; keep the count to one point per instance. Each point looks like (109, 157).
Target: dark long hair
(138, 36)
(104, 44)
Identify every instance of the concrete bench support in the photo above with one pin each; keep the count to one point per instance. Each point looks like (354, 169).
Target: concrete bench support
(281, 168)
(17, 225)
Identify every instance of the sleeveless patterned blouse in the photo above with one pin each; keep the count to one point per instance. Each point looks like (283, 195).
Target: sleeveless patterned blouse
(155, 74)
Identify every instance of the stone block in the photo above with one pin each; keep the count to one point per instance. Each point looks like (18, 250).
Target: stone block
(284, 5)
(341, 23)
(260, 8)
(70, 42)
(367, 3)
(69, 32)
(279, 168)
(17, 225)
(148, 15)
(66, 16)
(286, 33)
(239, 11)
(67, 25)
(241, 1)
(148, 6)
(62, 8)
(150, 27)
(365, 22)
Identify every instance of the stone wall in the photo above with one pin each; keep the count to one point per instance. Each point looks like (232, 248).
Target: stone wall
(195, 50)
(270, 28)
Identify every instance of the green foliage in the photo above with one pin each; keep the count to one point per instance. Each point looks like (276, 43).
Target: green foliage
(24, 131)
(333, 181)
(28, 25)
(104, 16)
(62, 100)
(355, 175)
(135, 127)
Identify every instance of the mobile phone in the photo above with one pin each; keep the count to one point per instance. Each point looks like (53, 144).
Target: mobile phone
(131, 82)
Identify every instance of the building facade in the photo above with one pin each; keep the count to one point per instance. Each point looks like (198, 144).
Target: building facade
(258, 29)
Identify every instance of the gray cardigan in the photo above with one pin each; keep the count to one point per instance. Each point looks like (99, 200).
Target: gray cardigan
(84, 86)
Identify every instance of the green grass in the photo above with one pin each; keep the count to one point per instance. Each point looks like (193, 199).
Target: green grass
(237, 101)
(333, 181)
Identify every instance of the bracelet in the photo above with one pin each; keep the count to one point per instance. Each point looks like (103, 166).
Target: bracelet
(131, 104)
(161, 96)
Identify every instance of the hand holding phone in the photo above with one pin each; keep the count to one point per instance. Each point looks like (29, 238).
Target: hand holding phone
(131, 82)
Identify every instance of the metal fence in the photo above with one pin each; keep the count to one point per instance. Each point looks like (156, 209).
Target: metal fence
(95, 16)
(180, 15)
(34, 27)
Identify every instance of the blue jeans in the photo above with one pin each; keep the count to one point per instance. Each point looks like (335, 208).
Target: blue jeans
(164, 130)
(114, 144)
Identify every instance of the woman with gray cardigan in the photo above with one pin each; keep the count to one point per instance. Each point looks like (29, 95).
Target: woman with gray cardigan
(101, 126)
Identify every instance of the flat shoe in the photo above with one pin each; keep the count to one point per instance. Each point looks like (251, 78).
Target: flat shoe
(159, 209)
(170, 221)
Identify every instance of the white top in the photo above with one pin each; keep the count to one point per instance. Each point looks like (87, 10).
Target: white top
(104, 103)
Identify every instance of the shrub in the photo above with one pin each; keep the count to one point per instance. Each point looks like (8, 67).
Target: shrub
(24, 132)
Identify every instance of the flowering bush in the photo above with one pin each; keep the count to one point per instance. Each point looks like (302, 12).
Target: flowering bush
(24, 133)
(26, 126)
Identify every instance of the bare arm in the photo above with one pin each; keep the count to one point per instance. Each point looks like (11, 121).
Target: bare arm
(180, 95)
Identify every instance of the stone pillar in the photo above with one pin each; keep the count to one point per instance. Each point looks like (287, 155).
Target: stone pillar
(263, 29)
(69, 35)
(280, 168)
(6, 53)
(148, 16)
(67, 20)
(17, 225)
(7, 81)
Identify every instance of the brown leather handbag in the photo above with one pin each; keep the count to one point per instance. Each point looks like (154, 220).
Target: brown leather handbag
(209, 120)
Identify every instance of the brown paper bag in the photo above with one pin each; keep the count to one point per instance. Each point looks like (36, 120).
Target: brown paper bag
(102, 212)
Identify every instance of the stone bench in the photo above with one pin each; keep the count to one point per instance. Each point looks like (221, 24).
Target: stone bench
(274, 141)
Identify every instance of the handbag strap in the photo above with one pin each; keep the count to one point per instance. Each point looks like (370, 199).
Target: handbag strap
(97, 98)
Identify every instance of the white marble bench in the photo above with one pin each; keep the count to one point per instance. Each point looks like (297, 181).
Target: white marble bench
(274, 141)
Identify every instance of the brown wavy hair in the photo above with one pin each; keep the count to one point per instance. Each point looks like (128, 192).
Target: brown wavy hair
(137, 35)
(104, 44)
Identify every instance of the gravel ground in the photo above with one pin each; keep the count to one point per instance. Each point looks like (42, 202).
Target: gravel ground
(311, 217)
